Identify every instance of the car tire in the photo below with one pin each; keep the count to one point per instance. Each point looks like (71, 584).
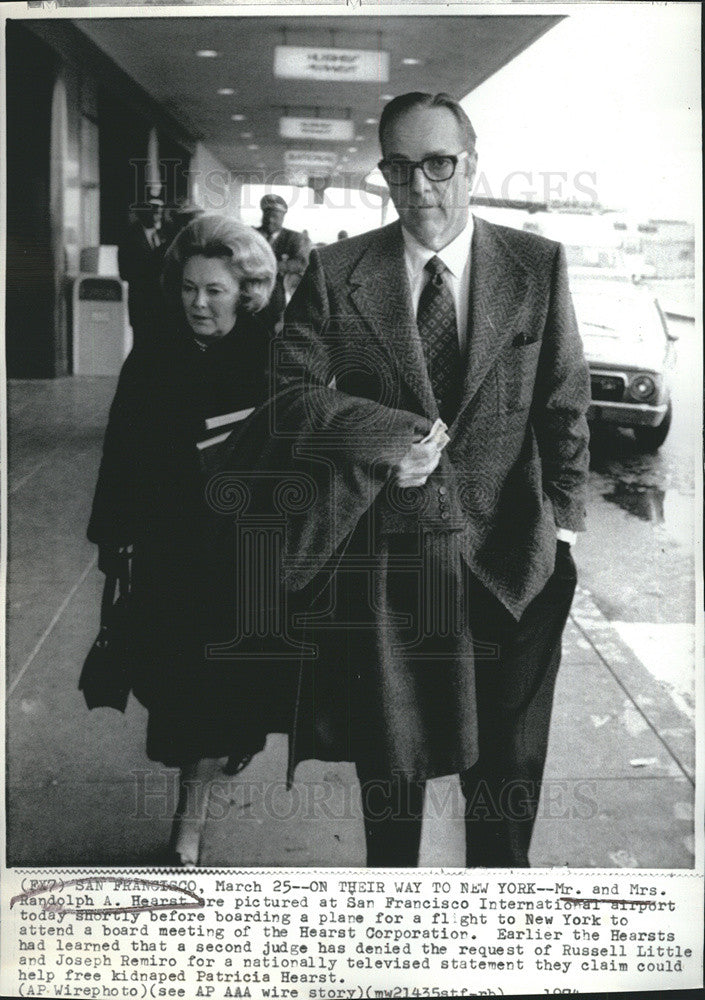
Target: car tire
(651, 438)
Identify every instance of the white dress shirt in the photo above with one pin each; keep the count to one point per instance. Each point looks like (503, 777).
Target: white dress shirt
(457, 258)
(153, 237)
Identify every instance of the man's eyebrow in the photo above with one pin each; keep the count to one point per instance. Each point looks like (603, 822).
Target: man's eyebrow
(208, 284)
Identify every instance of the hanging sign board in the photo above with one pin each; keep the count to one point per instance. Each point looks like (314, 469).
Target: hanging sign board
(294, 62)
(331, 129)
(315, 163)
(294, 158)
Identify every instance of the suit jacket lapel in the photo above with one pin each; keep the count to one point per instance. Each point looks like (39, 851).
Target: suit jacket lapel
(498, 285)
(379, 290)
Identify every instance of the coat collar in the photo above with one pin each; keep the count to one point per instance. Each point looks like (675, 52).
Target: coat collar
(498, 283)
(379, 289)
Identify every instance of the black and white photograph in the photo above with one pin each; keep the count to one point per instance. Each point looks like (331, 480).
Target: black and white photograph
(353, 407)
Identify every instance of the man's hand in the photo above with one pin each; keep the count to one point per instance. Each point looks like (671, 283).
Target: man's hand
(419, 462)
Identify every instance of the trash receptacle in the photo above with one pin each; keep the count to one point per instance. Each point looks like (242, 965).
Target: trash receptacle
(101, 260)
(101, 332)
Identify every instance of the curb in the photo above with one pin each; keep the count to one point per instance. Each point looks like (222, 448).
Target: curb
(651, 698)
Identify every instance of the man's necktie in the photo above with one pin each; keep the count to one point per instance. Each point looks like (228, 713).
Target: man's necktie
(439, 335)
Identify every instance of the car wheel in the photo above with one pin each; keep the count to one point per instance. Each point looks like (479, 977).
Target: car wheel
(651, 438)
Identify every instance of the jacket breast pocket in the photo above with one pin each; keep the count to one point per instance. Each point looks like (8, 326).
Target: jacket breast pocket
(517, 375)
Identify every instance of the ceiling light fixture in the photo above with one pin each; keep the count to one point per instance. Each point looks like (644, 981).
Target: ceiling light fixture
(237, 118)
(226, 91)
(370, 121)
(410, 61)
(246, 135)
(352, 149)
(253, 146)
(207, 54)
(386, 97)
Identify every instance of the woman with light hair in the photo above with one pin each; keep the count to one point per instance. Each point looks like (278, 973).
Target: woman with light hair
(174, 402)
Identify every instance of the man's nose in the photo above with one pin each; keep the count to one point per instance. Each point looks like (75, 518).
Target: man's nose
(200, 299)
(418, 182)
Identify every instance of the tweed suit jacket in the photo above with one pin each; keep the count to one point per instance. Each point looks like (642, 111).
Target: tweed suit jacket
(371, 575)
(516, 466)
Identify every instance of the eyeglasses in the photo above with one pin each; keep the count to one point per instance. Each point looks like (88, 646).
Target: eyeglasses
(435, 168)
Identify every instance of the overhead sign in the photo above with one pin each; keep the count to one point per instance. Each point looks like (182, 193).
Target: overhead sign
(315, 163)
(294, 62)
(331, 129)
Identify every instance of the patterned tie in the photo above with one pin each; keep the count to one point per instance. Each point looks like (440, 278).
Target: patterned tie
(439, 335)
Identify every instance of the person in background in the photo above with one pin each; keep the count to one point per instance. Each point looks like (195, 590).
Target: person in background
(306, 243)
(140, 259)
(173, 401)
(342, 235)
(184, 211)
(289, 248)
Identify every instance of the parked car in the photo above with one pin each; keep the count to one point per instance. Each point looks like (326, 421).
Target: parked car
(630, 353)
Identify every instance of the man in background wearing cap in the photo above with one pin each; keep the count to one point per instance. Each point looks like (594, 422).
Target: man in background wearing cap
(140, 258)
(288, 246)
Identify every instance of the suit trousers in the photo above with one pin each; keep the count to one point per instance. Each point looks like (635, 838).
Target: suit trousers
(516, 663)
(516, 666)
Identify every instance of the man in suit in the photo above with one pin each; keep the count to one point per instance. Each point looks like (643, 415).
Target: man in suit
(288, 246)
(140, 259)
(435, 567)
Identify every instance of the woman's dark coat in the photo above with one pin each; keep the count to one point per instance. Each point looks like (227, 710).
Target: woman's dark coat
(151, 494)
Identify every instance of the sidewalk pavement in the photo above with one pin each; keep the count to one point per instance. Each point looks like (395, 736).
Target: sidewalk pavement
(619, 781)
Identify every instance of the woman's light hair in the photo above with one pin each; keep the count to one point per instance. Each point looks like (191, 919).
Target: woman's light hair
(242, 249)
